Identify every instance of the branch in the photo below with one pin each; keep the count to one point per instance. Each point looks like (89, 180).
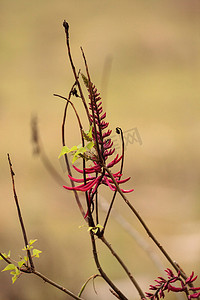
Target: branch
(103, 274)
(90, 218)
(134, 233)
(20, 214)
(150, 234)
(56, 285)
(67, 162)
(119, 131)
(5, 258)
(66, 26)
(133, 280)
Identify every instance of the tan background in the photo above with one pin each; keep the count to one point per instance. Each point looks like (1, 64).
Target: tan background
(153, 50)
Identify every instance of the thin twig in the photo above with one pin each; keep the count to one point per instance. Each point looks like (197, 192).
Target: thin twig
(118, 130)
(66, 26)
(134, 233)
(90, 218)
(103, 274)
(87, 281)
(63, 289)
(66, 157)
(5, 258)
(150, 234)
(133, 280)
(20, 214)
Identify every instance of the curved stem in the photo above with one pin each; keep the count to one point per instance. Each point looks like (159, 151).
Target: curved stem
(90, 218)
(66, 158)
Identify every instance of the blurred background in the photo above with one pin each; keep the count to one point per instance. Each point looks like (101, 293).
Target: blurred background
(144, 57)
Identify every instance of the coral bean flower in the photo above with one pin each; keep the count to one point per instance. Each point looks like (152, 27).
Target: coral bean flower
(96, 174)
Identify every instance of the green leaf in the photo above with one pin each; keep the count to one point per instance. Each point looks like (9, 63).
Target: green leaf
(90, 228)
(90, 145)
(32, 241)
(36, 252)
(95, 229)
(75, 157)
(15, 275)
(64, 150)
(74, 148)
(28, 247)
(90, 132)
(79, 146)
(9, 267)
(16, 272)
(21, 262)
(99, 226)
(78, 152)
(14, 278)
(81, 150)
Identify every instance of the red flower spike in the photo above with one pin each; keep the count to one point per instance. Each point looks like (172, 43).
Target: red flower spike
(164, 285)
(95, 175)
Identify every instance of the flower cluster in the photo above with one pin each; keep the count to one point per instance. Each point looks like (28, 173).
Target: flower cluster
(96, 174)
(168, 285)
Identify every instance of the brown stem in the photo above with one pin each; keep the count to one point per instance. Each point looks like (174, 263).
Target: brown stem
(114, 195)
(5, 258)
(66, 158)
(63, 289)
(20, 214)
(124, 267)
(103, 274)
(66, 26)
(90, 218)
(150, 234)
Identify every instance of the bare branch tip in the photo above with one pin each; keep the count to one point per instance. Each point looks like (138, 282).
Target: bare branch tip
(66, 25)
(10, 164)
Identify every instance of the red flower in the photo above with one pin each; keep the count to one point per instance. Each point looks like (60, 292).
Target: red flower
(96, 174)
(164, 284)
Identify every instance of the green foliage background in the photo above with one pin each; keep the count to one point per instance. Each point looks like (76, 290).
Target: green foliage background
(153, 48)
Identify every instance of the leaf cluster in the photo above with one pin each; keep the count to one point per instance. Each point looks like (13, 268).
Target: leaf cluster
(18, 267)
(80, 150)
